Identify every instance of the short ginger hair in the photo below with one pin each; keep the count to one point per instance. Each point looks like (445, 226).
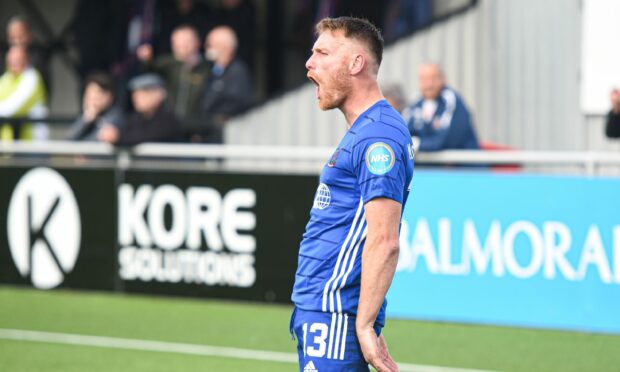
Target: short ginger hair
(356, 28)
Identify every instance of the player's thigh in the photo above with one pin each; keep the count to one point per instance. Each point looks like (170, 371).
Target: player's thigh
(327, 342)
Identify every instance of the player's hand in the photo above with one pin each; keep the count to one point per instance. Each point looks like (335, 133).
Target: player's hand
(375, 350)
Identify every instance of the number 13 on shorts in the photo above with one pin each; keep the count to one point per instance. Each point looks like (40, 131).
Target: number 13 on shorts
(319, 340)
(319, 343)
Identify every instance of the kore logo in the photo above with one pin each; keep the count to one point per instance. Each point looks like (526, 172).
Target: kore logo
(44, 228)
(206, 239)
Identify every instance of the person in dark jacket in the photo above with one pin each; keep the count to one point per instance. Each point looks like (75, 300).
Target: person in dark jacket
(152, 120)
(195, 13)
(229, 89)
(612, 127)
(439, 120)
(98, 109)
(184, 71)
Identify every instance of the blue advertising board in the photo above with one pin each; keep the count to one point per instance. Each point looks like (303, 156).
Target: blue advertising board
(510, 249)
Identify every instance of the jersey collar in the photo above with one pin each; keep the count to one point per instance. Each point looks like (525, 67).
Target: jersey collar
(371, 113)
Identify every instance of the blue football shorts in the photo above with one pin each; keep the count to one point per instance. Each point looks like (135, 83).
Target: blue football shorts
(327, 342)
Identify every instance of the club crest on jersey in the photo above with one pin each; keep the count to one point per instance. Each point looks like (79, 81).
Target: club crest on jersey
(332, 161)
(379, 158)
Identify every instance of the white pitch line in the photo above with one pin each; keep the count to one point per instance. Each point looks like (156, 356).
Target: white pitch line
(182, 348)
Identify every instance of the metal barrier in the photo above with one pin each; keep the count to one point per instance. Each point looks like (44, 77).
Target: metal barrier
(291, 158)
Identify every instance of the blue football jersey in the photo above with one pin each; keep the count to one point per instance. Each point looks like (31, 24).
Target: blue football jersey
(373, 160)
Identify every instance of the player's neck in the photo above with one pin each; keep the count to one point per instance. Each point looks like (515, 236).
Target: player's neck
(361, 98)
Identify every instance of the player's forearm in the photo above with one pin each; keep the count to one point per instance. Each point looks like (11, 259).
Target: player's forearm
(379, 261)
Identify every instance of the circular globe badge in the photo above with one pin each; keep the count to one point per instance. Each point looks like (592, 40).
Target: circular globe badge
(322, 198)
(379, 158)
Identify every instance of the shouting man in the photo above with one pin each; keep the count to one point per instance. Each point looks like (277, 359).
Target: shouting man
(350, 248)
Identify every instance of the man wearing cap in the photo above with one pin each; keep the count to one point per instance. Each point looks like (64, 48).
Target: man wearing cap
(151, 120)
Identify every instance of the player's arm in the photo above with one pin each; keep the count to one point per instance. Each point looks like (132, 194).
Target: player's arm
(379, 260)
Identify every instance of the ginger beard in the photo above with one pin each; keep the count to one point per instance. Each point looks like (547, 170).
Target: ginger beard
(334, 91)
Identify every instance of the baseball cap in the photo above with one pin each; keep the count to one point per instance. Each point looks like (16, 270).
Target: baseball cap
(146, 81)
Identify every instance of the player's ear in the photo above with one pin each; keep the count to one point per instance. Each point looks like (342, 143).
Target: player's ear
(356, 64)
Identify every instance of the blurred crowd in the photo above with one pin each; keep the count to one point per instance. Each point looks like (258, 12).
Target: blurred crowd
(188, 93)
(161, 70)
(170, 71)
(150, 71)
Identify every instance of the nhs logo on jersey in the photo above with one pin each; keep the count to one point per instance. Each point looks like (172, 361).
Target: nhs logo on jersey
(379, 158)
(383, 158)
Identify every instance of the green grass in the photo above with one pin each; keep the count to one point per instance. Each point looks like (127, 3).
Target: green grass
(262, 327)
(27, 356)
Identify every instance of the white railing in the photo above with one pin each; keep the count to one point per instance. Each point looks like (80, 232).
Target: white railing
(281, 158)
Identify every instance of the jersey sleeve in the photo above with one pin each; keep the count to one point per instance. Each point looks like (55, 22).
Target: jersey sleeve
(380, 166)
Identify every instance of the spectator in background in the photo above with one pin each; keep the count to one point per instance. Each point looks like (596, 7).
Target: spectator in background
(152, 121)
(240, 15)
(194, 13)
(393, 93)
(229, 90)
(98, 109)
(19, 33)
(184, 72)
(22, 94)
(439, 120)
(612, 128)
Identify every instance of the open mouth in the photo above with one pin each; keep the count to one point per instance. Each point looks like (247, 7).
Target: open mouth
(316, 83)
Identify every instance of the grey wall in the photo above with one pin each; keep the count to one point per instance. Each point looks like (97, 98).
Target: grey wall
(516, 63)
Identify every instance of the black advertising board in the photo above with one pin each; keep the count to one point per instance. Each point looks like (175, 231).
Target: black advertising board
(55, 229)
(208, 235)
(212, 235)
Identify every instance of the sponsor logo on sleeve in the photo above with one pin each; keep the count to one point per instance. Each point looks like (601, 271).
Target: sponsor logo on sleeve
(379, 158)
